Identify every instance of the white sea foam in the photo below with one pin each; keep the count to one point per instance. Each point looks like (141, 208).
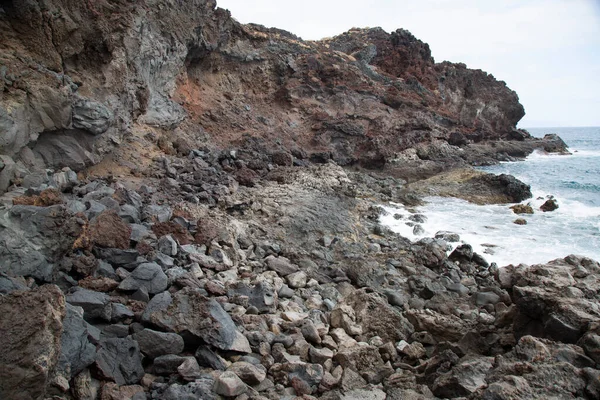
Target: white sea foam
(492, 233)
(574, 228)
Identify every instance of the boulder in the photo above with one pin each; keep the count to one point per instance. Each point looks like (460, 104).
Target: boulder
(147, 275)
(31, 327)
(378, 318)
(154, 343)
(201, 388)
(228, 384)
(95, 305)
(249, 373)
(34, 238)
(76, 352)
(281, 265)
(522, 209)
(119, 360)
(109, 230)
(464, 379)
(196, 317)
(549, 205)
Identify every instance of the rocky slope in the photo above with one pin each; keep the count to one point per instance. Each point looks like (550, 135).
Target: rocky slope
(187, 215)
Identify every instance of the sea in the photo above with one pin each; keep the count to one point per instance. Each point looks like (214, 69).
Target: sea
(574, 228)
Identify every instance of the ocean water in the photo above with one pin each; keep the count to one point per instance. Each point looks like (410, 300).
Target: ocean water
(574, 228)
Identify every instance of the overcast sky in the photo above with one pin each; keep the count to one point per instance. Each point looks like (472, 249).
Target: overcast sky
(548, 51)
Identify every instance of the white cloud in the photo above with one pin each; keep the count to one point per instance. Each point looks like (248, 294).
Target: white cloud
(546, 50)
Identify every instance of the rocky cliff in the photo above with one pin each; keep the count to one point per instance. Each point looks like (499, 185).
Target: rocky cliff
(84, 82)
(186, 215)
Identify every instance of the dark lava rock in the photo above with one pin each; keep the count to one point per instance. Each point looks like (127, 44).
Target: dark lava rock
(95, 305)
(154, 344)
(522, 209)
(120, 360)
(195, 316)
(549, 205)
(76, 351)
(147, 275)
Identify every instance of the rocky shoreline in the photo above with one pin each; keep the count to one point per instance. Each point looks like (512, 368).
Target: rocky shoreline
(190, 210)
(276, 284)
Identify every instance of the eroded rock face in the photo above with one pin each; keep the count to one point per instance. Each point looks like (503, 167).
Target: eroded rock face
(89, 86)
(31, 325)
(34, 239)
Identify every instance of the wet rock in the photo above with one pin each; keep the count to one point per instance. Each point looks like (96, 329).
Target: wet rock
(147, 275)
(522, 209)
(462, 253)
(188, 312)
(31, 327)
(154, 344)
(120, 360)
(549, 205)
(520, 221)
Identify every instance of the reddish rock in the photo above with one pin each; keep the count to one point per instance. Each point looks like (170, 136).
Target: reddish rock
(178, 232)
(31, 327)
(99, 284)
(282, 158)
(109, 230)
(46, 198)
(207, 231)
(246, 177)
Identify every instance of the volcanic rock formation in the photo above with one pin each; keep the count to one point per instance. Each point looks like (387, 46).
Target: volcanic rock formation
(190, 210)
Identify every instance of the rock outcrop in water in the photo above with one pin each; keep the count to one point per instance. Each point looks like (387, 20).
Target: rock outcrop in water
(182, 220)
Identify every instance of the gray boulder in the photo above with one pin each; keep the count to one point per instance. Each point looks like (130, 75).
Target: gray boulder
(76, 351)
(197, 317)
(120, 360)
(148, 275)
(95, 305)
(33, 239)
(154, 344)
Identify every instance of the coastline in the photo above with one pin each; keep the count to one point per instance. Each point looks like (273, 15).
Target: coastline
(190, 208)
